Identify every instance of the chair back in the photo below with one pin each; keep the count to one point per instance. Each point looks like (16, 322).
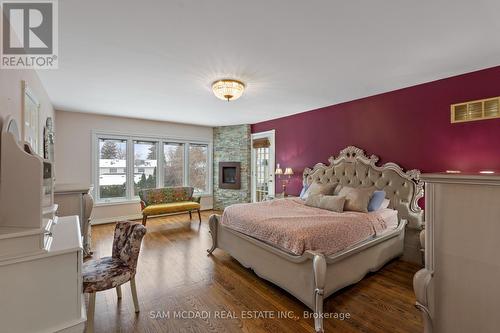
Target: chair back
(127, 242)
(88, 206)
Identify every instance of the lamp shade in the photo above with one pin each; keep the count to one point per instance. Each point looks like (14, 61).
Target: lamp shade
(288, 171)
(278, 171)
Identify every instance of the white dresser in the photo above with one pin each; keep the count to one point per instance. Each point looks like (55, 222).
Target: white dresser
(42, 292)
(459, 288)
(70, 198)
(40, 254)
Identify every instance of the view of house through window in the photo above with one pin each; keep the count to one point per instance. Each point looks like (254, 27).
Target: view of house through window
(145, 163)
(156, 163)
(112, 168)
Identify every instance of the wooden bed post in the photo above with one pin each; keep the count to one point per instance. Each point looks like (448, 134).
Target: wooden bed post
(319, 268)
(213, 223)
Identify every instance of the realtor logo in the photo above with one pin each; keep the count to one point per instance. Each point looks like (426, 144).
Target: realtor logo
(29, 35)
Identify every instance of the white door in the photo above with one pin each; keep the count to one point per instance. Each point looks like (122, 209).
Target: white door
(262, 165)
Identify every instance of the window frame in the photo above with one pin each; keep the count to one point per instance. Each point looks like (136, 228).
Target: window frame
(134, 140)
(96, 171)
(184, 166)
(130, 158)
(207, 182)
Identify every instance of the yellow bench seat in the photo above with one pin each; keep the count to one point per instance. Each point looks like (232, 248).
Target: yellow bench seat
(172, 207)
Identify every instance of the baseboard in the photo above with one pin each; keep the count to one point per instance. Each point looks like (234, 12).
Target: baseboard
(115, 219)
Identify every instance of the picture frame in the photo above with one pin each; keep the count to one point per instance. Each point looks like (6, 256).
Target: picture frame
(30, 118)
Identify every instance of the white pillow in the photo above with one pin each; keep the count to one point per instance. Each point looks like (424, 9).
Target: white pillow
(385, 204)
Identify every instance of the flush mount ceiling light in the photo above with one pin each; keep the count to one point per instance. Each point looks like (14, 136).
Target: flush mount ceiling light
(228, 89)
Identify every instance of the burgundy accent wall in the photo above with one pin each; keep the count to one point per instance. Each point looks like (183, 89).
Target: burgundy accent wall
(409, 126)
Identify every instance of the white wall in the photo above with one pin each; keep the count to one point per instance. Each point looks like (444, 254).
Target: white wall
(11, 95)
(73, 151)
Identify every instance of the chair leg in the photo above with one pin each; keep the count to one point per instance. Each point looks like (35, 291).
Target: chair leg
(134, 294)
(90, 313)
(119, 291)
(199, 216)
(190, 215)
(144, 218)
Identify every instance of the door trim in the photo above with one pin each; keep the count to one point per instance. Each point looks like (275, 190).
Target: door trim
(272, 160)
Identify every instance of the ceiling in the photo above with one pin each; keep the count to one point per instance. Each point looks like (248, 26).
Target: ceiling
(157, 59)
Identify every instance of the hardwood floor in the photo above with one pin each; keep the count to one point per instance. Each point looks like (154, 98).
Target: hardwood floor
(175, 274)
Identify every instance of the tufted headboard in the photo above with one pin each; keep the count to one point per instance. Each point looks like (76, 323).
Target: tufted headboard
(353, 168)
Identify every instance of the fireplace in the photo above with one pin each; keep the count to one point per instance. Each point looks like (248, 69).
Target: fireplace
(229, 175)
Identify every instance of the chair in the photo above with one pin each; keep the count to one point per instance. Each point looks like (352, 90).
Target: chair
(111, 272)
(86, 226)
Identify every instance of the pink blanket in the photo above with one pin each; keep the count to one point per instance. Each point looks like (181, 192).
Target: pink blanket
(290, 225)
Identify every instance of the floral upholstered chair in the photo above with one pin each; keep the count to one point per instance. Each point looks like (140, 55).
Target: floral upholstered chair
(111, 272)
(165, 200)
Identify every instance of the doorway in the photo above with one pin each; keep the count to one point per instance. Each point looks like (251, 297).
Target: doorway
(263, 157)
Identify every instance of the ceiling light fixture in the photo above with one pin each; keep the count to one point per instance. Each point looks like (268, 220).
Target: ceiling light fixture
(227, 89)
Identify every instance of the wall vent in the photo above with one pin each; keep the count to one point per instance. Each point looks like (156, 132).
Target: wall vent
(476, 110)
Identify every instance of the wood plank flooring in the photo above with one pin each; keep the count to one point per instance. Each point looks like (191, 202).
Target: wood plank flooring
(175, 277)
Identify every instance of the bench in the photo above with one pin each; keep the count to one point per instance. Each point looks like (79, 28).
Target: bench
(166, 200)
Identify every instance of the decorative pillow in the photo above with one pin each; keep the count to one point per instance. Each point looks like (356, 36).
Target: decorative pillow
(385, 204)
(303, 192)
(376, 200)
(313, 200)
(318, 188)
(335, 203)
(357, 198)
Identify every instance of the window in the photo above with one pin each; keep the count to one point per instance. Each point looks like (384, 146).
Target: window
(173, 164)
(145, 163)
(112, 158)
(198, 167)
(126, 164)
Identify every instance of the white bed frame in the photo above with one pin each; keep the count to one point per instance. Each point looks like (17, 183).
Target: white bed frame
(312, 276)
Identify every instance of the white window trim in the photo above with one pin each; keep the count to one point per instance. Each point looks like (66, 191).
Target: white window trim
(160, 140)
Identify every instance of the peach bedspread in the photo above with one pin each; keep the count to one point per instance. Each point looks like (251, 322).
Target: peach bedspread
(290, 225)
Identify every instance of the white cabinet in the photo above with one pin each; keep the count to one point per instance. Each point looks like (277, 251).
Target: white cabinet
(459, 288)
(43, 292)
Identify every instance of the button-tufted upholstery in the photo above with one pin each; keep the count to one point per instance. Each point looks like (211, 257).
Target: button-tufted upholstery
(353, 168)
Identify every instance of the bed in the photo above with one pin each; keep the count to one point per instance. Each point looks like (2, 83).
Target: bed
(312, 273)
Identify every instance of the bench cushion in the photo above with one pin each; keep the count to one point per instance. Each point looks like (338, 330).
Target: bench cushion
(170, 208)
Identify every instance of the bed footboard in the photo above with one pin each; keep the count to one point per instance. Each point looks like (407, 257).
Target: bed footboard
(319, 269)
(213, 221)
(311, 277)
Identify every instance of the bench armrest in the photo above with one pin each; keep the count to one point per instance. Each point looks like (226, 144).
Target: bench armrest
(196, 199)
(143, 205)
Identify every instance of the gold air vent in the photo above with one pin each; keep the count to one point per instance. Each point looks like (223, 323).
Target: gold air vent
(476, 110)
